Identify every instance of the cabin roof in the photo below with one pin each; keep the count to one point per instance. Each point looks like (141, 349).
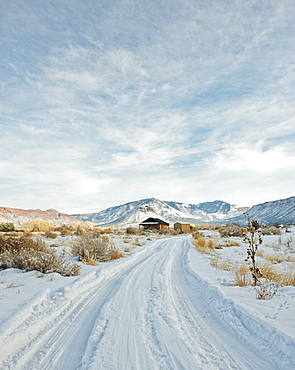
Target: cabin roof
(153, 221)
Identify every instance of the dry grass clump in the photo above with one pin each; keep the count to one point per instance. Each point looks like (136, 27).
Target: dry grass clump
(29, 254)
(132, 230)
(172, 232)
(242, 276)
(127, 240)
(225, 265)
(38, 225)
(204, 245)
(270, 230)
(231, 243)
(106, 230)
(220, 263)
(197, 234)
(232, 230)
(137, 242)
(279, 257)
(105, 237)
(128, 249)
(270, 273)
(50, 235)
(288, 279)
(91, 247)
(260, 253)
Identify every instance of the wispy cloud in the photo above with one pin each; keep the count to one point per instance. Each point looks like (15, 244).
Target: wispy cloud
(105, 102)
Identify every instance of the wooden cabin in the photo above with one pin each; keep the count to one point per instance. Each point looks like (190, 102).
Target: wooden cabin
(154, 223)
(181, 227)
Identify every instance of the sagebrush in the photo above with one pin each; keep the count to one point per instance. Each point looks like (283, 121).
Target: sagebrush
(26, 253)
(91, 247)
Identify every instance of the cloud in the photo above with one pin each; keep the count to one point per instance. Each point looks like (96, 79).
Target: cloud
(240, 157)
(133, 98)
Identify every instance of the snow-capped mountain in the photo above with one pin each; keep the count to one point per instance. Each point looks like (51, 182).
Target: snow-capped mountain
(281, 211)
(133, 213)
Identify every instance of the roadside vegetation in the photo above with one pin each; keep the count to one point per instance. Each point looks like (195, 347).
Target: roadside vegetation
(27, 253)
(92, 248)
(39, 245)
(265, 256)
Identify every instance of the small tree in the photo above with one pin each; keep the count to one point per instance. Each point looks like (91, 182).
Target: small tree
(254, 239)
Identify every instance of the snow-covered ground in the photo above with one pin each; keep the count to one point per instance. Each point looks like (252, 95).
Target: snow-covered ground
(161, 307)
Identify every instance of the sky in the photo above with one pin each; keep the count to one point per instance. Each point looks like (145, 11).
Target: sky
(103, 102)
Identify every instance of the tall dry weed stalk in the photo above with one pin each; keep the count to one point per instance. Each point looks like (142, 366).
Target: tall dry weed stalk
(254, 239)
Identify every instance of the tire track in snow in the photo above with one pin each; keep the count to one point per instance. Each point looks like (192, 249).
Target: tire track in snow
(36, 336)
(148, 311)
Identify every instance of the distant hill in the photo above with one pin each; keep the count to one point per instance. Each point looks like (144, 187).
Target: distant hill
(281, 211)
(133, 213)
(20, 216)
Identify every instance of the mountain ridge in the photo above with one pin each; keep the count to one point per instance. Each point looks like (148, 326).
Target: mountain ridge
(132, 213)
(19, 216)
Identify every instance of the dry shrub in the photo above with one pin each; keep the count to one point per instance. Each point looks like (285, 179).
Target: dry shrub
(280, 278)
(82, 227)
(137, 242)
(132, 230)
(242, 275)
(114, 253)
(64, 228)
(38, 225)
(90, 262)
(6, 227)
(107, 230)
(270, 230)
(260, 253)
(201, 242)
(127, 240)
(276, 247)
(66, 233)
(276, 257)
(220, 263)
(242, 279)
(172, 232)
(29, 254)
(288, 279)
(270, 273)
(232, 230)
(266, 290)
(203, 245)
(105, 238)
(92, 247)
(231, 243)
(214, 259)
(225, 264)
(197, 234)
(50, 235)
(210, 243)
(290, 258)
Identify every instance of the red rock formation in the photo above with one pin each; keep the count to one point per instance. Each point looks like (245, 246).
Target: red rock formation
(20, 216)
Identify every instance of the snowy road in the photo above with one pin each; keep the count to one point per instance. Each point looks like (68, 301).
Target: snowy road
(147, 311)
